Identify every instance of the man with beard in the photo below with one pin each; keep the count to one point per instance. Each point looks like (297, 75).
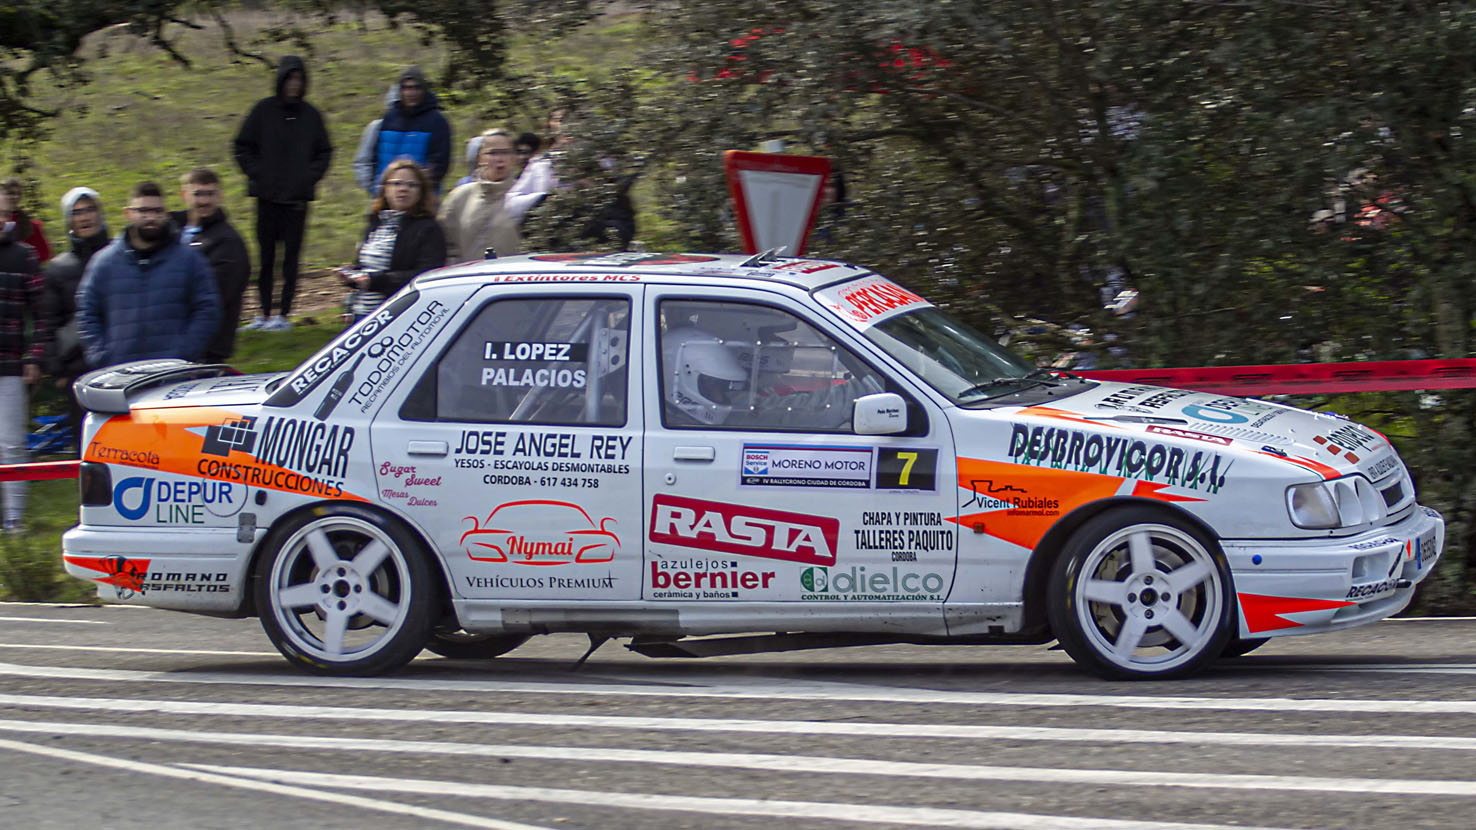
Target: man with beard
(146, 295)
(203, 225)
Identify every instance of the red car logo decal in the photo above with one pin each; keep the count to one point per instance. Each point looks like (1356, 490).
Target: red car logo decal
(540, 532)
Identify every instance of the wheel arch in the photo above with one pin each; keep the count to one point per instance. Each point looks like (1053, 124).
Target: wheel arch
(263, 545)
(1043, 558)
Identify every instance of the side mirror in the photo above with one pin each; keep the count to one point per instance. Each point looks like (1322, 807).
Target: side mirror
(884, 413)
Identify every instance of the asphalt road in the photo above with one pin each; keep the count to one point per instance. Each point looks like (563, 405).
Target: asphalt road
(131, 718)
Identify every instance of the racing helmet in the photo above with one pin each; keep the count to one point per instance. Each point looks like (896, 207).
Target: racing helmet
(706, 379)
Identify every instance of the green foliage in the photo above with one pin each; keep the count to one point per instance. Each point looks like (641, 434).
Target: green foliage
(30, 562)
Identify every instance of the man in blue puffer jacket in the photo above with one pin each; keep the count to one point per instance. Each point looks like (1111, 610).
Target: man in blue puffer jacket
(413, 127)
(145, 295)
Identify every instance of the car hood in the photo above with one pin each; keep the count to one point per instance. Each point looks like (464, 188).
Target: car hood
(1327, 445)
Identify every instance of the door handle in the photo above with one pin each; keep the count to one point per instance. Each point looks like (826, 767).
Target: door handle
(428, 448)
(694, 454)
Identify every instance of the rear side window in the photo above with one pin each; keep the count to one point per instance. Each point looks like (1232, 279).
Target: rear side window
(533, 360)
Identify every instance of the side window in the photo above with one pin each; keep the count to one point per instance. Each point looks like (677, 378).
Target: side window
(546, 360)
(748, 366)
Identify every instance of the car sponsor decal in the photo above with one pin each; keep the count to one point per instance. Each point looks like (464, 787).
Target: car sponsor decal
(857, 584)
(906, 468)
(1064, 415)
(1344, 442)
(188, 502)
(541, 533)
(1175, 432)
(744, 530)
(867, 301)
(903, 533)
(545, 459)
(1019, 504)
(704, 579)
(1267, 613)
(337, 353)
(126, 575)
(135, 576)
(1121, 456)
(403, 482)
(790, 465)
(294, 455)
(541, 582)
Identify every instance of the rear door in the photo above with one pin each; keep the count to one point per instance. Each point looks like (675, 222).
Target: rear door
(517, 448)
(757, 488)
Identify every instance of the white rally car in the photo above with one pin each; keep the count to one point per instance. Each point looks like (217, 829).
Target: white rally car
(665, 446)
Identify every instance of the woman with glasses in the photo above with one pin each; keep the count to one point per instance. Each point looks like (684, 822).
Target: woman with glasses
(403, 238)
(481, 214)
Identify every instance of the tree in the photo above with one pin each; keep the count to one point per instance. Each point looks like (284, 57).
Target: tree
(1027, 158)
(44, 37)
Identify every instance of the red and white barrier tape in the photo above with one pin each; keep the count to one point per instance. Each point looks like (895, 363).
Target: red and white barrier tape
(1306, 378)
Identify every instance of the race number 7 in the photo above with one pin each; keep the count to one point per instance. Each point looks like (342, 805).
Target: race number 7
(906, 468)
(910, 458)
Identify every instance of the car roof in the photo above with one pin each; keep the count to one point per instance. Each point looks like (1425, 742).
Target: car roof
(807, 274)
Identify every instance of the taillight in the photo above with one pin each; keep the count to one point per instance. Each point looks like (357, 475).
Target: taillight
(96, 484)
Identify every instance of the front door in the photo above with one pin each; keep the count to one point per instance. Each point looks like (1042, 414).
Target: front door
(758, 489)
(526, 425)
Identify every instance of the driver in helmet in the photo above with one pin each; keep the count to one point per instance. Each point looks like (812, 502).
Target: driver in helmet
(706, 379)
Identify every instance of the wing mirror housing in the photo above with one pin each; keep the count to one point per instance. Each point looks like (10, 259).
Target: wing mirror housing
(884, 413)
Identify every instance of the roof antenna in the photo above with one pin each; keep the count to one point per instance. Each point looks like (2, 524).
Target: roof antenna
(764, 256)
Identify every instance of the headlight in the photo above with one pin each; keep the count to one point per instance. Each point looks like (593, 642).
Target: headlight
(1312, 506)
(1350, 501)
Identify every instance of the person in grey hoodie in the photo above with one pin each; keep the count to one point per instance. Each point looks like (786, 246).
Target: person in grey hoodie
(283, 149)
(87, 229)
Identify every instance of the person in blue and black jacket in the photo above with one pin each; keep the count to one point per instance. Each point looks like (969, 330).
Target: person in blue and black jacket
(414, 128)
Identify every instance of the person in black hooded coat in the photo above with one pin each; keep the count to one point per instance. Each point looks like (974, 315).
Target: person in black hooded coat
(283, 149)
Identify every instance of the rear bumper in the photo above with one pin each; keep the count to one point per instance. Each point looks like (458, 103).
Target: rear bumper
(187, 570)
(1308, 587)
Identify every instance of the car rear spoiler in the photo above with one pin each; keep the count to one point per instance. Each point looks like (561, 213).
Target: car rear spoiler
(111, 389)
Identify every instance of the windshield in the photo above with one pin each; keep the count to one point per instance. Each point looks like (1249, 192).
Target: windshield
(950, 356)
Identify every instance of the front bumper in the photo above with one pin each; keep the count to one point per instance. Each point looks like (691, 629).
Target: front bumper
(1309, 587)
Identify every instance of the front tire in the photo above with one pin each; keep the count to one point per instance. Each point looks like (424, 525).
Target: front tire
(345, 591)
(1137, 595)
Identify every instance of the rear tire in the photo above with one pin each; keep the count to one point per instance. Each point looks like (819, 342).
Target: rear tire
(461, 645)
(1139, 595)
(345, 591)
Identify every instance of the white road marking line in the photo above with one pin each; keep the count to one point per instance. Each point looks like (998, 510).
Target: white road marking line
(208, 777)
(50, 621)
(803, 764)
(833, 811)
(132, 650)
(77, 605)
(771, 689)
(935, 731)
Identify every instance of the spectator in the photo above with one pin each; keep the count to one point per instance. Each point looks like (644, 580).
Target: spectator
(20, 298)
(473, 153)
(146, 295)
(203, 225)
(27, 230)
(88, 232)
(403, 238)
(413, 127)
(284, 151)
(537, 175)
(478, 215)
